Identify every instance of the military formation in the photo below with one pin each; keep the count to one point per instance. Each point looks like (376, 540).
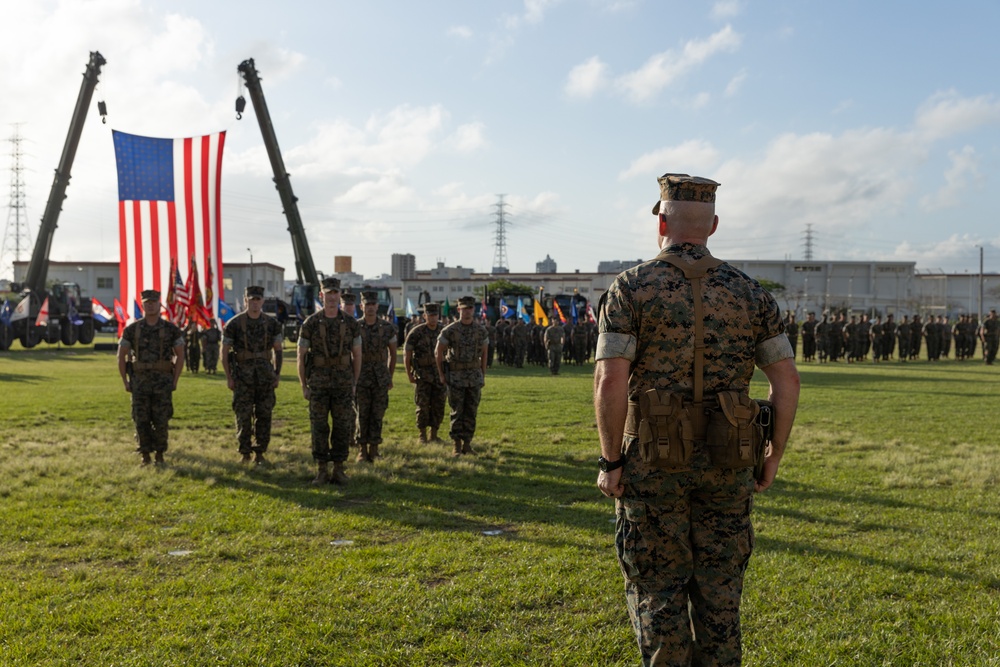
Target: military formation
(519, 343)
(858, 339)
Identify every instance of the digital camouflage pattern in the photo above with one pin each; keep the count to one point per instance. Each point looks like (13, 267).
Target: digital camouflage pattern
(686, 535)
(373, 383)
(210, 340)
(465, 344)
(152, 389)
(331, 398)
(253, 378)
(554, 337)
(428, 394)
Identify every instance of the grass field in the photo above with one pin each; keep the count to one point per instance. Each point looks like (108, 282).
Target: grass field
(878, 545)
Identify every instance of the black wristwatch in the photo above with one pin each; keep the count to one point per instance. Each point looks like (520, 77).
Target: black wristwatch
(608, 466)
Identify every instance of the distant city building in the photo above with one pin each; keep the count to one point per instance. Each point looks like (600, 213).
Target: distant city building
(342, 264)
(404, 267)
(547, 265)
(617, 266)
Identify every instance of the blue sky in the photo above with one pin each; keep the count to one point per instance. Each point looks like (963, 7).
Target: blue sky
(401, 123)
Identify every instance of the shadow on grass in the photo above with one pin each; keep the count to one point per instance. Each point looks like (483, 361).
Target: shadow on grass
(421, 492)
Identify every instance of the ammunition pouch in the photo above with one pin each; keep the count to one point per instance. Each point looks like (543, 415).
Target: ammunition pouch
(734, 436)
(665, 429)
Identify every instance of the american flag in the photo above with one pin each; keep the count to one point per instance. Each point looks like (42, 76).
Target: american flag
(168, 208)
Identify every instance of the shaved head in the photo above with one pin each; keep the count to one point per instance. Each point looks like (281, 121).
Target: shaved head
(686, 221)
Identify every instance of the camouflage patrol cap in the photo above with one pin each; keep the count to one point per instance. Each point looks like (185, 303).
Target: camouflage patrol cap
(330, 284)
(348, 298)
(254, 292)
(682, 187)
(369, 297)
(466, 302)
(432, 309)
(150, 295)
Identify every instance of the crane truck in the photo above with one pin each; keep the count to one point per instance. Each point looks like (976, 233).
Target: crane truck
(306, 289)
(69, 318)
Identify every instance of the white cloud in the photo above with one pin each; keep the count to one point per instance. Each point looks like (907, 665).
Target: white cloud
(726, 9)
(587, 78)
(736, 83)
(534, 13)
(964, 167)
(662, 69)
(700, 101)
(460, 31)
(468, 138)
(946, 114)
(689, 157)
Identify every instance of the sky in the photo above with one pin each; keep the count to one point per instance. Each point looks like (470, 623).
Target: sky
(870, 129)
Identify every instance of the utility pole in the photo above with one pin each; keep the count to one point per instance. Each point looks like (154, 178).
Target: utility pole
(500, 249)
(809, 242)
(17, 236)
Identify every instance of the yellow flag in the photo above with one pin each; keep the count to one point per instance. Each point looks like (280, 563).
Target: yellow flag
(540, 316)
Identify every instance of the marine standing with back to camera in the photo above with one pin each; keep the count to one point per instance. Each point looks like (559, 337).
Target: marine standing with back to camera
(679, 338)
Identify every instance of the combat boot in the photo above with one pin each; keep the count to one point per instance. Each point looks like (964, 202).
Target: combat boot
(363, 454)
(434, 435)
(258, 459)
(423, 435)
(158, 458)
(146, 458)
(467, 447)
(373, 452)
(245, 457)
(322, 473)
(457, 445)
(338, 476)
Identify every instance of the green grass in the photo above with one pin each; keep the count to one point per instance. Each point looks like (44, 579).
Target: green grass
(878, 545)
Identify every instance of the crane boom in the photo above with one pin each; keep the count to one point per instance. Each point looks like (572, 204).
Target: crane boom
(305, 269)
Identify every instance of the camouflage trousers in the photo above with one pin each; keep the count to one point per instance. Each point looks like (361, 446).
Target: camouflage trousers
(152, 408)
(336, 405)
(684, 551)
(429, 398)
(253, 403)
(210, 354)
(555, 358)
(464, 402)
(372, 403)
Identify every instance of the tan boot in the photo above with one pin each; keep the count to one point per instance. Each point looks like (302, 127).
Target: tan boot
(338, 476)
(467, 447)
(457, 448)
(373, 452)
(363, 454)
(245, 457)
(322, 474)
(423, 435)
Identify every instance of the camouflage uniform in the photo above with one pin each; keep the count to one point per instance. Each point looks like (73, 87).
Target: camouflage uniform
(464, 344)
(152, 383)
(330, 379)
(581, 344)
(373, 383)
(252, 342)
(428, 394)
(554, 337)
(210, 339)
(519, 339)
(683, 534)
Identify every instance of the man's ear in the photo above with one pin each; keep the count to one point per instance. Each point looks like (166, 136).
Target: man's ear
(663, 225)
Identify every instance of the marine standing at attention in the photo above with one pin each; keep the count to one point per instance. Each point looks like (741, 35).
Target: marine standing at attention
(378, 363)
(429, 391)
(329, 364)
(679, 338)
(150, 361)
(464, 346)
(251, 359)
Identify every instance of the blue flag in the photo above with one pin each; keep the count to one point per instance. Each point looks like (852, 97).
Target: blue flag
(137, 309)
(520, 310)
(392, 311)
(410, 310)
(5, 313)
(226, 312)
(74, 316)
(505, 310)
(572, 309)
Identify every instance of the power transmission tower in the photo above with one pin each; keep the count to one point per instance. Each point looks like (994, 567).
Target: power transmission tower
(500, 250)
(809, 242)
(17, 236)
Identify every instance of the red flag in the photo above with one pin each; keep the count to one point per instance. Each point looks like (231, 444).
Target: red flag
(99, 310)
(590, 314)
(43, 314)
(196, 307)
(121, 316)
(209, 291)
(168, 207)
